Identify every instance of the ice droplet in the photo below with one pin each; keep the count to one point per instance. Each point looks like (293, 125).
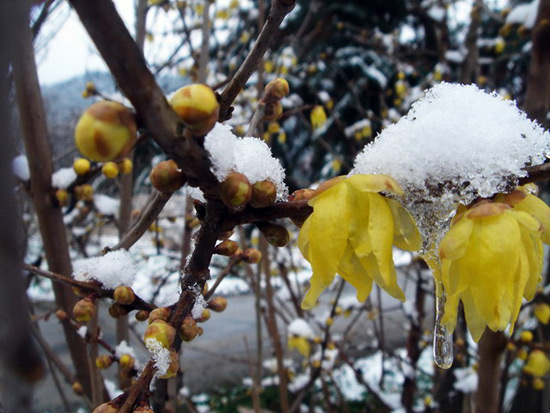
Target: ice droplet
(443, 340)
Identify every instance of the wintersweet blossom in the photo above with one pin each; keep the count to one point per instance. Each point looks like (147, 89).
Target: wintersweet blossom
(491, 258)
(352, 231)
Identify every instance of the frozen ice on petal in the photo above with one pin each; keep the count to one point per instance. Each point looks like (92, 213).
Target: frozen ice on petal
(249, 156)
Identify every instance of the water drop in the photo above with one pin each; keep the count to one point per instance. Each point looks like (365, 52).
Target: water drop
(443, 340)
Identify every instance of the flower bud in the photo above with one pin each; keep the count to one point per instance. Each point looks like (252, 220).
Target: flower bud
(318, 117)
(526, 336)
(126, 362)
(81, 166)
(110, 170)
(542, 312)
(522, 354)
(166, 176)
(62, 197)
(124, 295)
(125, 166)
(142, 315)
(273, 111)
(217, 304)
(173, 368)
(301, 195)
(84, 310)
(264, 193)
(226, 248)
(116, 310)
(204, 317)
(106, 131)
(538, 364)
(538, 383)
(252, 255)
(61, 315)
(160, 313)
(197, 106)
(77, 388)
(277, 89)
(189, 329)
(106, 408)
(144, 407)
(84, 192)
(200, 330)
(161, 331)
(275, 234)
(329, 321)
(104, 361)
(236, 190)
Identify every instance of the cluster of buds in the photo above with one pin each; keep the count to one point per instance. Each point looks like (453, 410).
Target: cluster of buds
(197, 106)
(275, 90)
(106, 131)
(167, 177)
(189, 329)
(236, 192)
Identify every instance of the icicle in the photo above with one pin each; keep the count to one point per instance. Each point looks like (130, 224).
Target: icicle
(443, 340)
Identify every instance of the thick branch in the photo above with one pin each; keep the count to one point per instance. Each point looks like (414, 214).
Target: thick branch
(279, 9)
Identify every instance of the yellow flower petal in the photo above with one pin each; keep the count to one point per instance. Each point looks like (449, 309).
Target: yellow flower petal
(301, 344)
(354, 273)
(405, 233)
(475, 322)
(374, 183)
(455, 242)
(540, 211)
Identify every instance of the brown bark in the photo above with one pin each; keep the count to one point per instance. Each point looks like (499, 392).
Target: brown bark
(491, 348)
(50, 221)
(537, 98)
(469, 69)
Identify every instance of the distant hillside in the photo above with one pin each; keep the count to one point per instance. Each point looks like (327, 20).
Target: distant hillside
(64, 104)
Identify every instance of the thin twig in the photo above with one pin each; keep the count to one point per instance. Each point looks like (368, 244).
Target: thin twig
(225, 272)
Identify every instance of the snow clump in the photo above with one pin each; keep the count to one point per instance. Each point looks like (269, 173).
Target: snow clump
(111, 270)
(249, 156)
(63, 178)
(300, 327)
(160, 354)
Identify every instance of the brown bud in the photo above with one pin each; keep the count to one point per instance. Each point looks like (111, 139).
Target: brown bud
(174, 366)
(84, 192)
(275, 234)
(126, 361)
(84, 310)
(77, 388)
(79, 292)
(62, 197)
(116, 310)
(160, 313)
(166, 176)
(61, 315)
(217, 304)
(236, 190)
(226, 248)
(106, 408)
(252, 255)
(142, 315)
(161, 331)
(264, 193)
(277, 89)
(273, 111)
(200, 330)
(189, 329)
(124, 295)
(301, 195)
(104, 361)
(204, 317)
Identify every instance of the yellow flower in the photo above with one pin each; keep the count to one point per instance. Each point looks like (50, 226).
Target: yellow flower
(351, 232)
(318, 117)
(538, 364)
(299, 343)
(491, 257)
(542, 312)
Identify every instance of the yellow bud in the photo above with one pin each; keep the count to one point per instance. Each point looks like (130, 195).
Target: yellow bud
(542, 312)
(142, 315)
(538, 383)
(526, 336)
(62, 197)
(166, 176)
(106, 131)
(197, 106)
(161, 331)
(125, 166)
(84, 310)
(160, 313)
(511, 347)
(317, 340)
(538, 364)
(428, 400)
(236, 190)
(521, 354)
(81, 166)
(264, 193)
(104, 361)
(282, 138)
(273, 111)
(189, 329)
(84, 192)
(338, 310)
(273, 127)
(500, 45)
(124, 295)
(268, 66)
(205, 316)
(110, 170)
(316, 364)
(329, 321)
(77, 388)
(106, 408)
(252, 255)
(61, 315)
(126, 361)
(277, 89)
(276, 235)
(116, 310)
(318, 117)
(172, 369)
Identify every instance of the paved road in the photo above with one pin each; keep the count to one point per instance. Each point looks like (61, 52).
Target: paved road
(218, 358)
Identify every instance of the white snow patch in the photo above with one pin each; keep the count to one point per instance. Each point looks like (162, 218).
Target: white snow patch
(20, 167)
(82, 331)
(199, 306)
(63, 178)
(106, 205)
(123, 348)
(111, 270)
(160, 354)
(455, 56)
(466, 380)
(525, 14)
(300, 327)
(436, 13)
(112, 389)
(195, 193)
(249, 156)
